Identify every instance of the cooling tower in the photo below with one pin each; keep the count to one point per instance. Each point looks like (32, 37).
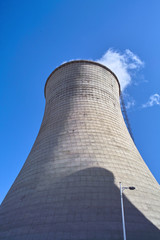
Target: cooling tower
(68, 188)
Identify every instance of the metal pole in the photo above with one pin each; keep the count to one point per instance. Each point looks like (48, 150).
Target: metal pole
(122, 208)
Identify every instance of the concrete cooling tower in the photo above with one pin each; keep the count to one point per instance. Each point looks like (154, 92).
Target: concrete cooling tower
(68, 188)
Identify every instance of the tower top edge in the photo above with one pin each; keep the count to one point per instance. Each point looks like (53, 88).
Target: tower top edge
(82, 61)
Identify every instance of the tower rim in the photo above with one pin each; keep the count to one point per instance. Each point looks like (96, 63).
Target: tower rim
(81, 61)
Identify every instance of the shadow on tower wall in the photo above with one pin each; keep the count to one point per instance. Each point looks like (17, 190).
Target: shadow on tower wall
(91, 209)
(86, 206)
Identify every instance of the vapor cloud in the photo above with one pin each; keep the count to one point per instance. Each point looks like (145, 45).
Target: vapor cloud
(130, 104)
(123, 65)
(153, 100)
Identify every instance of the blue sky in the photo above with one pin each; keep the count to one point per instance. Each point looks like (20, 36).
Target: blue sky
(37, 36)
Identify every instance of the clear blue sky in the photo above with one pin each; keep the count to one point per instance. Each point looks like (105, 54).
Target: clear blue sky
(37, 36)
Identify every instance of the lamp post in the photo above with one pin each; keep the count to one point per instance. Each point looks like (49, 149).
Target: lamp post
(122, 208)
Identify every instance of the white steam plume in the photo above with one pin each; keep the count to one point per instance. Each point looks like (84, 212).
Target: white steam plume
(122, 65)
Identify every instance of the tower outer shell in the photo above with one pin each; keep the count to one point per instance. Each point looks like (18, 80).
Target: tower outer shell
(68, 188)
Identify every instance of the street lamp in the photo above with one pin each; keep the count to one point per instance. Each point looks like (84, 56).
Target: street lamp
(122, 208)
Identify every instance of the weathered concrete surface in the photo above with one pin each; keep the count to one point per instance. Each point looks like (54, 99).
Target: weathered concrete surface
(68, 188)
